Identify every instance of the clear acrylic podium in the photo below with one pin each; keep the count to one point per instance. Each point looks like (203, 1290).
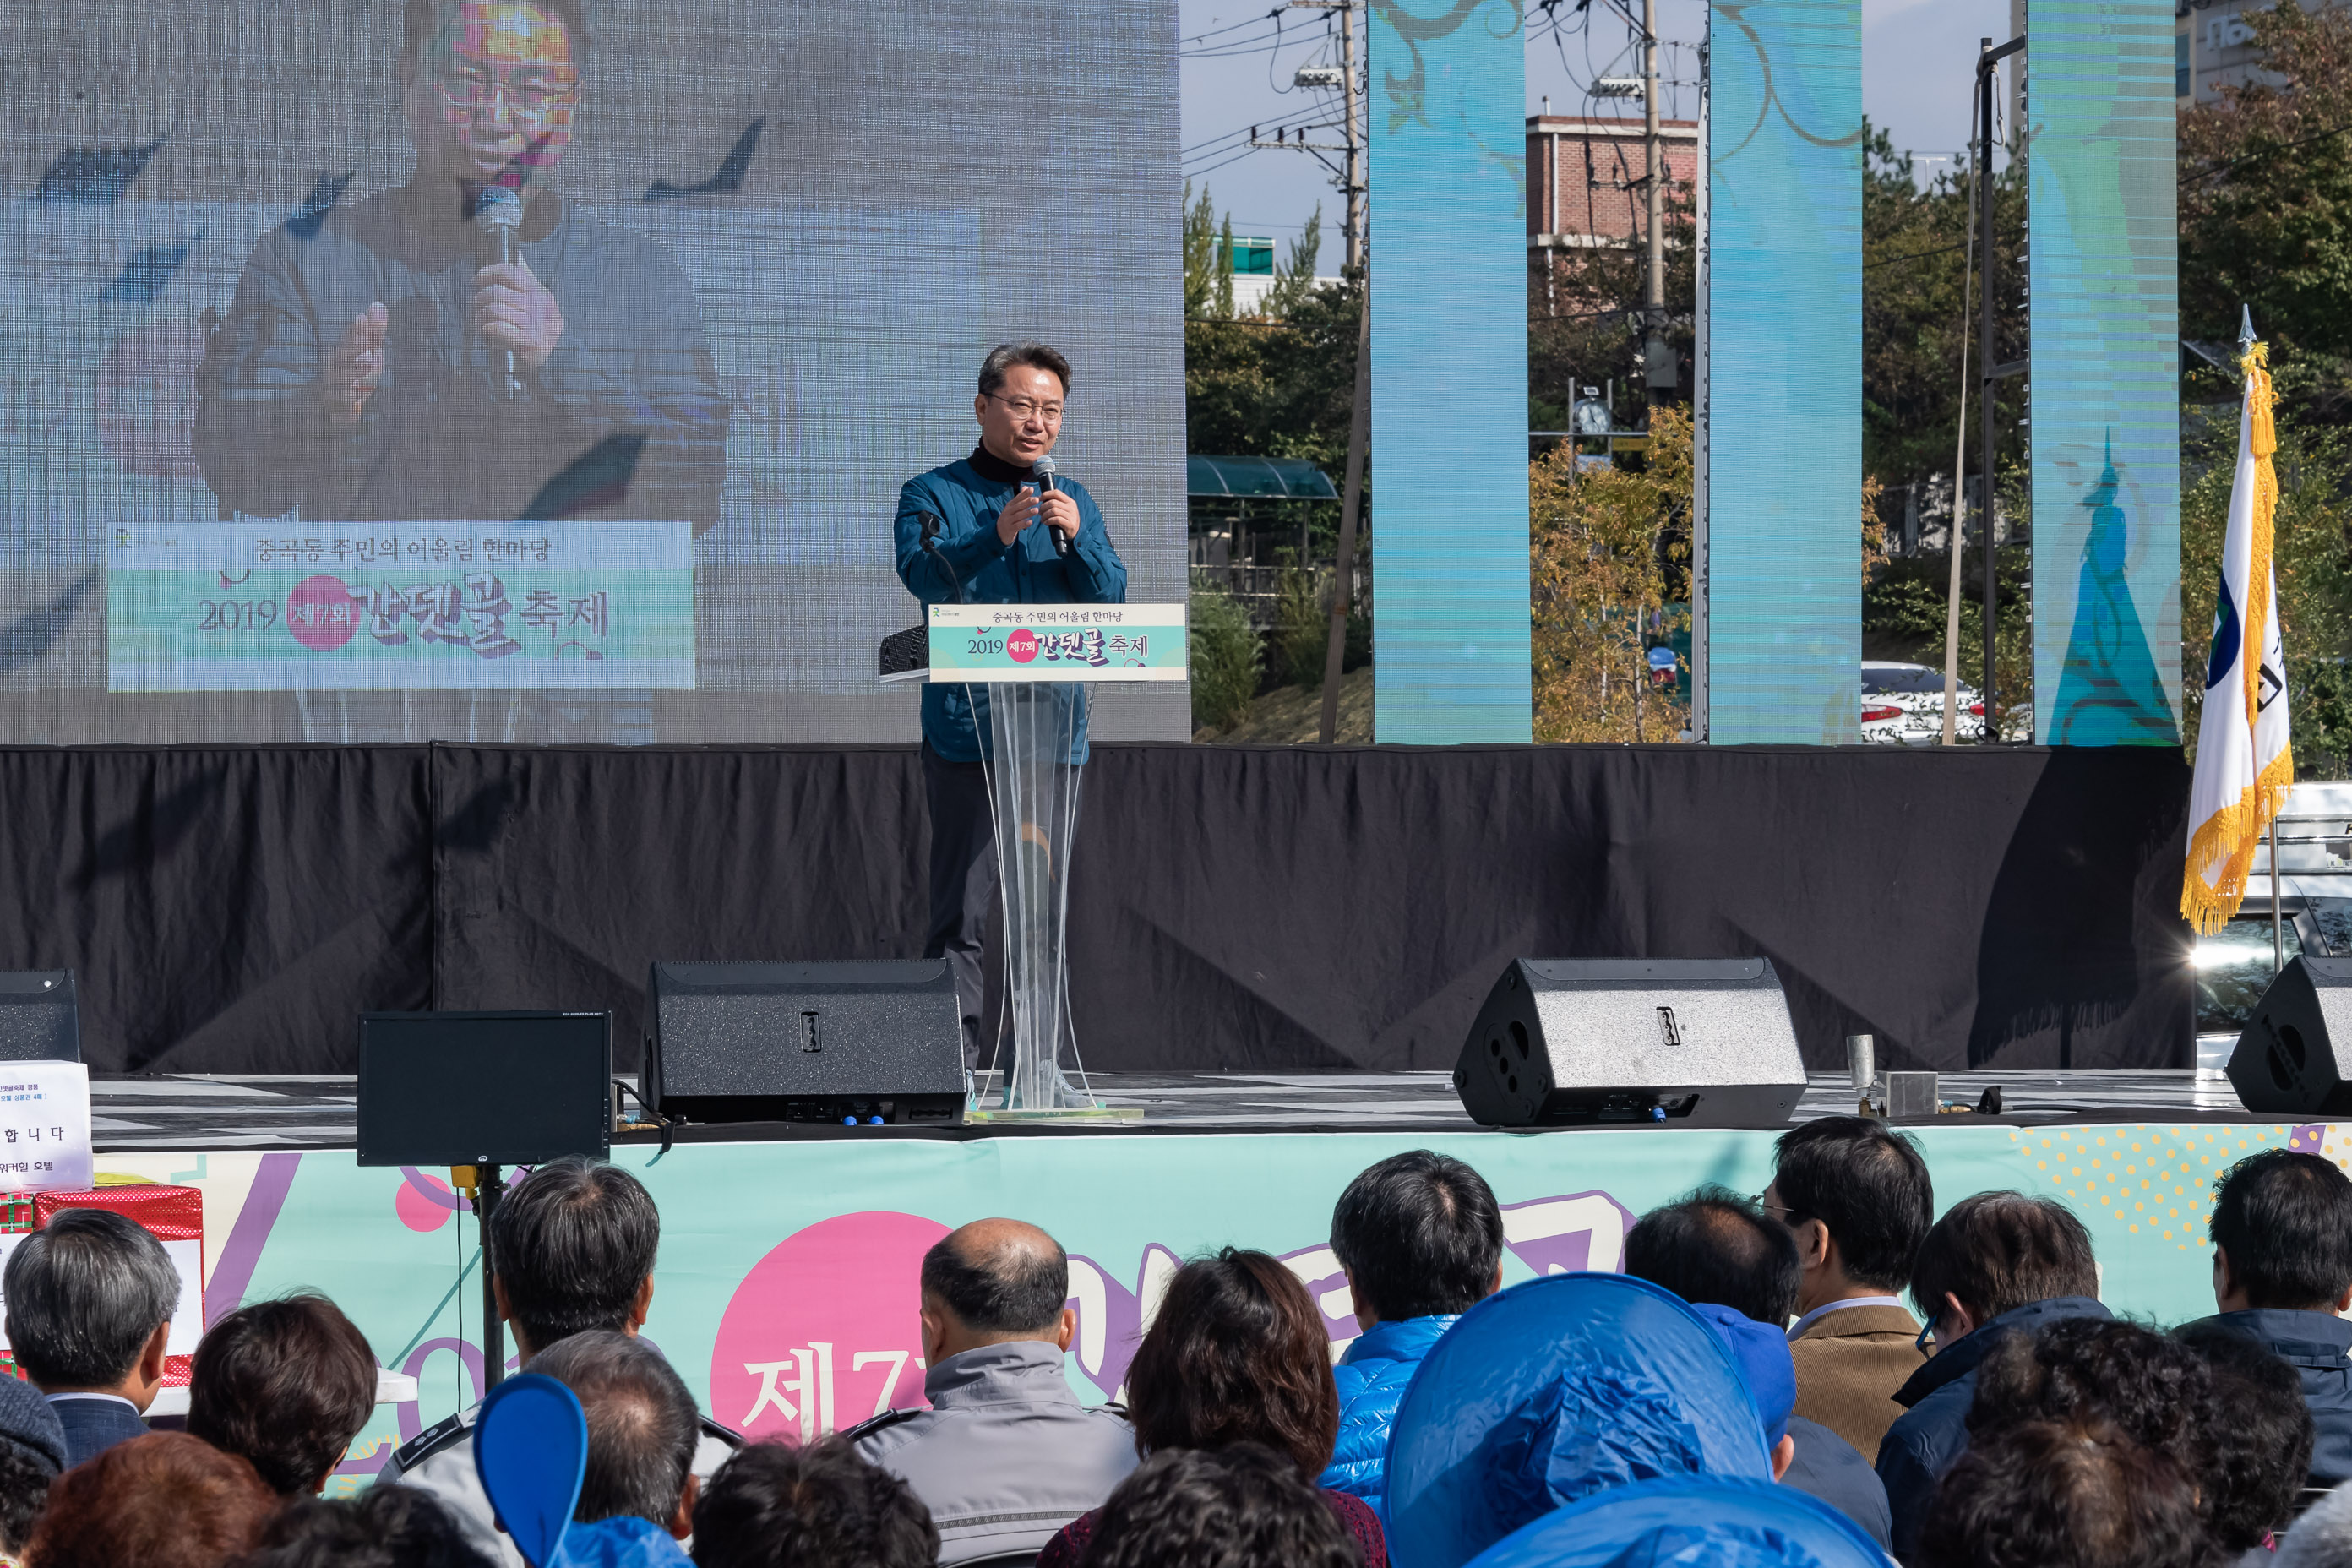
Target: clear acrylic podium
(1036, 665)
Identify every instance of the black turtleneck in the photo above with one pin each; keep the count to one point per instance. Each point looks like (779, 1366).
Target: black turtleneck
(996, 470)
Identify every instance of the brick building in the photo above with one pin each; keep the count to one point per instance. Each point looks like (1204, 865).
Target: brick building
(1584, 177)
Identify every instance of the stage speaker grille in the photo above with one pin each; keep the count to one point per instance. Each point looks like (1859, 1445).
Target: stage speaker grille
(40, 1016)
(868, 1041)
(2294, 1056)
(1589, 1042)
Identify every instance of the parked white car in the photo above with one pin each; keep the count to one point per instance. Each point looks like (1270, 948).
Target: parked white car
(1902, 705)
(2234, 966)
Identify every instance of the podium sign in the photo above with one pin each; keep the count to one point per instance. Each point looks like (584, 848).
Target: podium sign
(1058, 642)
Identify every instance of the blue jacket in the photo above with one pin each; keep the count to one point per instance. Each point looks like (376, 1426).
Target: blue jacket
(966, 497)
(1373, 1377)
(2316, 1344)
(1828, 1468)
(1932, 1433)
(93, 1424)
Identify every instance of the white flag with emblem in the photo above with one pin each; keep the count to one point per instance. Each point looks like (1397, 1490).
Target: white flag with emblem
(2244, 765)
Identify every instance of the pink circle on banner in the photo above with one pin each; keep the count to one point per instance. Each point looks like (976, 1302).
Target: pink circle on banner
(1021, 645)
(320, 613)
(418, 1210)
(822, 1332)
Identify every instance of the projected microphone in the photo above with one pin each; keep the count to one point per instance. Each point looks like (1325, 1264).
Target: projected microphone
(497, 213)
(1043, 470)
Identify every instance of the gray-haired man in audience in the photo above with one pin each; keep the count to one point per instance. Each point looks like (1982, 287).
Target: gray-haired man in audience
(572, 1252)
(90, 1298)
(1006, 1455)
(643, 1429)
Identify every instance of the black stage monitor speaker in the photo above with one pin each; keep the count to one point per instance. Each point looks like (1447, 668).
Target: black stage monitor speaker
(1586, 1042)
(876, 1043)
(40, 1018)
(484, 1089)
(2295, 1056)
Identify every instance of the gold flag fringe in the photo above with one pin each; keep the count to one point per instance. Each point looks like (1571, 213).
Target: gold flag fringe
(2221, 849)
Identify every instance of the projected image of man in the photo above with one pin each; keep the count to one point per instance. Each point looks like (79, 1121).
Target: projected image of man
(1007, 540)
(384, 365)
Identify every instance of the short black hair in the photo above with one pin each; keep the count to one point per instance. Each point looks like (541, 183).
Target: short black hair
(1420, 1236)
(84, 1293)
(286, 1386)
(382, 1526)
(1010, 1290)
(2262, 1443)
(1867, 1183)
(421, 21)
(1037, 356)
(2285, 1220)
(572, 1244)
(1242, 1506)
(2077, 1492)
(1714, 1246)
(643, 1428)
(1999, 1251)
(2156, 1390)
(25, 1478)
(770, 1506)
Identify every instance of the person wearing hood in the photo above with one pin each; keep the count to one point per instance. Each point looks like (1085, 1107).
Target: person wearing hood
(1997, 1263)
(1421, 1238)
(1561, 1388)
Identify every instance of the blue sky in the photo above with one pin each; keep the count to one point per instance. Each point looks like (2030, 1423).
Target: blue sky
(1916, 55)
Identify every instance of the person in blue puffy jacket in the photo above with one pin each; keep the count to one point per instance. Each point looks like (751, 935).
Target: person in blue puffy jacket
(1421, 1238)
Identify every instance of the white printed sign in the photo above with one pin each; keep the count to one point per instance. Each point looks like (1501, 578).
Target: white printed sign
(44, 1127)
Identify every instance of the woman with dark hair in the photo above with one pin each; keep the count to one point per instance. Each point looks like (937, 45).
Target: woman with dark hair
(284, 1386)
(1237, 1353)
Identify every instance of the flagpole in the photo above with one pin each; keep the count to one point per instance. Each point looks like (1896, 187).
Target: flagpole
(2278, 943)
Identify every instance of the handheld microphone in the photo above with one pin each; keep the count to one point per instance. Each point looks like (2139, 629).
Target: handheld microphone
(1043, 470)
(497, 213)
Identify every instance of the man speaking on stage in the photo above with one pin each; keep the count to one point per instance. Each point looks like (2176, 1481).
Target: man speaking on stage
(991, 527)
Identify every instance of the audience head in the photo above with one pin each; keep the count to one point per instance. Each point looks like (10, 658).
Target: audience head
(643, 1428)
(992, 1282)
(1420, 1236)
(165, 1501)
(286, 1386)
(2079, 1493)
(776, 1507)
(572, 1249)
(1994, 1253)
(382, 1526)
(2282, 1233)
(91, 1296)
(1855, 1195)
(2155, 1391)
(32, 1453)
(1243, 1506)
(1237, 1353)
(2263, 1438)
(1715, 1246)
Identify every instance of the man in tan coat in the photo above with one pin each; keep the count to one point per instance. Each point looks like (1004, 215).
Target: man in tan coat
(1857, 1198)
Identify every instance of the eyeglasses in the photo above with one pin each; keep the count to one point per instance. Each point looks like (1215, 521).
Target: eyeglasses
(1789, 1215)
(529, 95)
(1925, 1334)
(1023, 410)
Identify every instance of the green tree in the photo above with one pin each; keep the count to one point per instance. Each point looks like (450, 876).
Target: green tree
(2266, 213)
(1294, 279)
(1208, 266)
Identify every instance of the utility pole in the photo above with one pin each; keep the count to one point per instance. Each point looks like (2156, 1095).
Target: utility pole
(1657, 361)
(1351, 96)
(1987, 427)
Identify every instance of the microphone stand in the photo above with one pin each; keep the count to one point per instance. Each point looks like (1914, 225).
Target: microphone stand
(931, 549)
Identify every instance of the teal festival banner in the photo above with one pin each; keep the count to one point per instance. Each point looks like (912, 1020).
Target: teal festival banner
(289, 606)
(1779, 632)
(785, 1292)
(1449, 378)
(1058, 642)
(2107, 374)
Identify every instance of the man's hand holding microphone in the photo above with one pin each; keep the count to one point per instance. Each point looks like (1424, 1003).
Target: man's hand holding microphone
(1054, 508)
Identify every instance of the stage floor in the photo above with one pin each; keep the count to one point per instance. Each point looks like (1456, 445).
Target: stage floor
(200, 1112)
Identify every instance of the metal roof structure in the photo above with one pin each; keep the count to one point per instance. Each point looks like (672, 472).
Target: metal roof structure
(1257, 478)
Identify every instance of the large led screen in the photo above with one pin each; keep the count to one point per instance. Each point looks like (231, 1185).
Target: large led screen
(500, 372)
